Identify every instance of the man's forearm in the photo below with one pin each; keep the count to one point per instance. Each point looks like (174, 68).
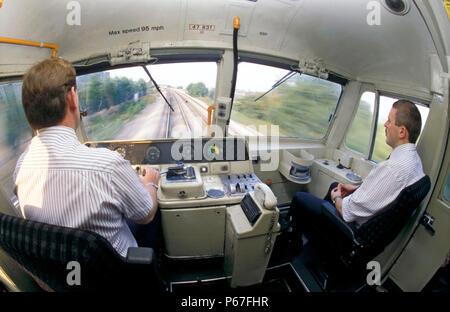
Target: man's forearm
(338, 205)
(152, 191)
(149, 218)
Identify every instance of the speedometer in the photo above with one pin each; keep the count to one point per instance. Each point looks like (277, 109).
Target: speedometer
(153, 153)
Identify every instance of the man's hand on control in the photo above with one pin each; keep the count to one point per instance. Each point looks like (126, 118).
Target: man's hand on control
(336, 192)
(347, 189)
(149, 175)
(150, 178)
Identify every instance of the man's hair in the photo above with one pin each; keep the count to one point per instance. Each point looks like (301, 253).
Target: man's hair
(44, 91)
(408, 115)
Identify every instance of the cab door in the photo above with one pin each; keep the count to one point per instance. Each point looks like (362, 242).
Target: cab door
(428, 247)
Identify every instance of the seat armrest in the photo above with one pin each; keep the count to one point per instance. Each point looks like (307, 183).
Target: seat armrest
(140, 255)
(330, 213)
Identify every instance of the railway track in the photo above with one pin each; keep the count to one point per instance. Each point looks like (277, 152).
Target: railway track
(183, 121)
(189, 118)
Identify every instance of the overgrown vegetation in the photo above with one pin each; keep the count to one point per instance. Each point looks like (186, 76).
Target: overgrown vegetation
(302, 107)
(99, 91)
(110, 103)
(358, 137)
(106, 124)
(197, 89)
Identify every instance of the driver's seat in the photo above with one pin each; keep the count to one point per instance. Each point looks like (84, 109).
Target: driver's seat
(355, 246)
(51, 254)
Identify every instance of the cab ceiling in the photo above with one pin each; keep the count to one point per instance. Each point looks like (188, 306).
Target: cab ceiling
(396, 51)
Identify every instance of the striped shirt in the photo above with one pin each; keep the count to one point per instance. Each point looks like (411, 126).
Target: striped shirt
(383, 184)
(61, 181)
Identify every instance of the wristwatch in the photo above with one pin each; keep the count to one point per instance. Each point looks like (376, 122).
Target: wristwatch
(334, 200)
(152, 184)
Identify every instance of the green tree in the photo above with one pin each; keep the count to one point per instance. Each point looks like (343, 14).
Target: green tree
(125, 88)
(111, 93)
(142, 87)
(197, 89)
(301, 107)
(95, 95)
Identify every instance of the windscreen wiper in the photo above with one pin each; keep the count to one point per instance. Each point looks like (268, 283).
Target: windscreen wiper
(156, 86)
(279, 82)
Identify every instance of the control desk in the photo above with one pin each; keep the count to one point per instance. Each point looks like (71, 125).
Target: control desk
(199, 180)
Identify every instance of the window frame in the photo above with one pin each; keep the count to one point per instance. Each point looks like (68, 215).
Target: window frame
(288, 66)
(364, 89)
(165, 59)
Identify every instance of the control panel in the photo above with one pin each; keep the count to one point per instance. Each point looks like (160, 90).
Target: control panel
(183, 183)
(239, 184)
(339, 171)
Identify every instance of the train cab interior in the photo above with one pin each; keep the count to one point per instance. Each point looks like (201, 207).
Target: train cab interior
(239, 105)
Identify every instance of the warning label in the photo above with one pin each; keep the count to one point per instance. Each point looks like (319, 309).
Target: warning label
(135, 30)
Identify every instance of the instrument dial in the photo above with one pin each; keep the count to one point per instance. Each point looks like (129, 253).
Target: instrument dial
(153, 153)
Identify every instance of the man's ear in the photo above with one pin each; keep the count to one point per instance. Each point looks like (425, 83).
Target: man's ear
(70, 98)
(403, 133)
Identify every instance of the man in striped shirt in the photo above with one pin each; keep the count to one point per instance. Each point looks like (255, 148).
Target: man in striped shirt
(61, 181)
(383, 184)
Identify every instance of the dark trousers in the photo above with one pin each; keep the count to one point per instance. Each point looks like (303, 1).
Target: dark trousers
(148, 235)
(306, 210)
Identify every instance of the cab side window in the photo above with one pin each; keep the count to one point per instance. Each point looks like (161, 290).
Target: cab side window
(15, 134)
(381, 150)
(358, 137)
(446, 191)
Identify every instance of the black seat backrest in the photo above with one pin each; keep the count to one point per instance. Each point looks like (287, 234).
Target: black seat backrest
(375, 234)
(45, 250)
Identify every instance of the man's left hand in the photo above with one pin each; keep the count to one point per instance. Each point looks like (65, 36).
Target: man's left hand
(335, 193)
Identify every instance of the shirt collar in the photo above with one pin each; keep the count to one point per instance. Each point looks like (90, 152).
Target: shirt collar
(407, 147)
(56, 130)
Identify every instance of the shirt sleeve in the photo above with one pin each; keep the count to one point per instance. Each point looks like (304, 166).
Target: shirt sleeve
(134, 200)
(378, 190)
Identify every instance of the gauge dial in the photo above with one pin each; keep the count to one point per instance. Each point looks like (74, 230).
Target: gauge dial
(122, 151)
(213, 151)
(153, 153)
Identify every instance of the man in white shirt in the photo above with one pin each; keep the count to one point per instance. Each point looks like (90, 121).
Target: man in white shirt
(383, 184)
(63, 182)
